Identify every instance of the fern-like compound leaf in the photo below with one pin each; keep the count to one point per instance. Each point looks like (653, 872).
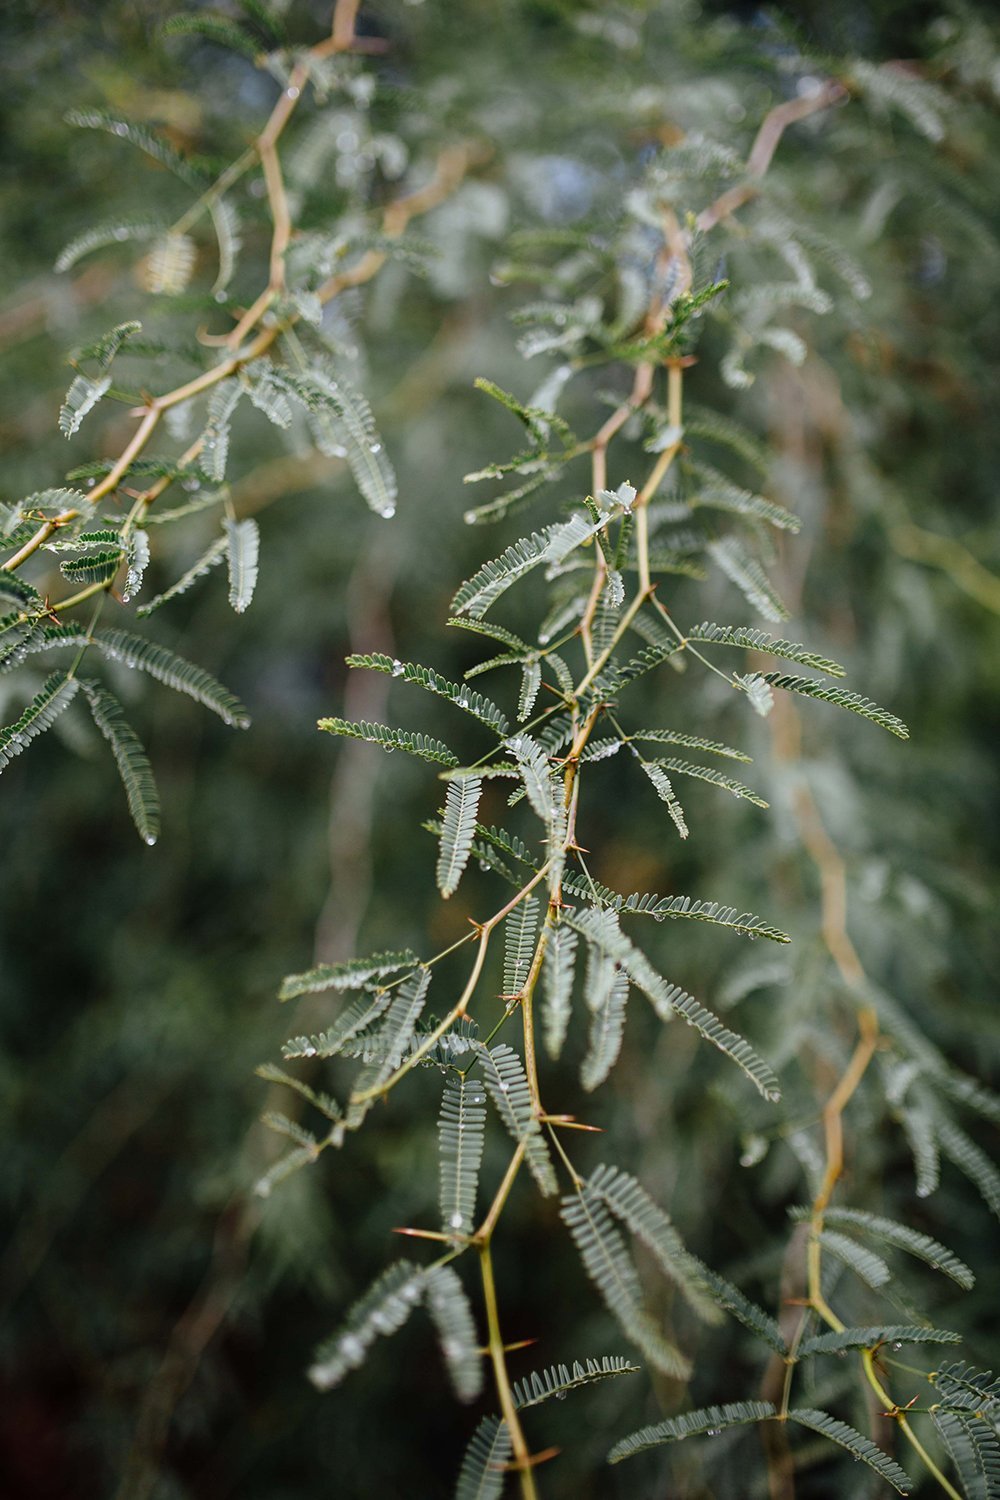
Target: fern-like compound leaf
(668, 999)
(214, 29)
(130, 758)
(902, 1237)
(383, 1309)
(749, 577)
(759, 640)
(711, 775)
(739, 1306)
(507, 1086)
(473, 703)
(55, 695)
(394, 1040)
(871, 1338)
(709, 1420)
(854, 702)
(972, 1161)
(153, 145)
(457, 831)
(520, 931)
(607, 1262)
(356, 1018)
(665, 791)
(689, 742)
(558, 969)
(137, 558)
(974, 1449)
(858, 1446)
(115, 232)
(607, 1031)
(484, 1467)
(628, 1200)
(352, 975)
(451, 1314)
(480, 592)
(558, 1380)
(461, 1137)
(862, 1261)
(242, 551)
(343, 426)
(420, 745)
(94, 567)
(173, 671)
(81, 398)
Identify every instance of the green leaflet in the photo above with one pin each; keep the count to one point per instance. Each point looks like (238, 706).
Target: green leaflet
(968, 1158)
(859, 1447)
(95, 567)
(494, 632)
(326, 1105)
(473, 703)
(451, 1314)
(133, 766)
(347, 976)
(709, 774)
(557, 1380)
(420, 745)
(214, 29)
(81, 398)
(480, 592)
(382, 1310)
(358, 1016)
(242, 550)
(665, 791)
(483, 1473)
(395, 1036)
(843, 699)
(901, 1236)
(136, 135)
(759, 640)
(520, 931)
(689, 742)
(709, 1420)
(172, 670)
(343, 424)
(865, 1263)
(457, 830)
(667, 998)
(607, 1030)
(558, 969)
(749, 577)
(607, 1262)
(629, 1202)
(871, 1338)
(507, 1085)
(99, 236)
(56, 694)
(974, 1449)
(461, 1137)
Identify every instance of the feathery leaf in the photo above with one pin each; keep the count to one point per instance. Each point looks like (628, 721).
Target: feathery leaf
(133, 766)
(420, 745)
(461, 1137)
(709, 1420)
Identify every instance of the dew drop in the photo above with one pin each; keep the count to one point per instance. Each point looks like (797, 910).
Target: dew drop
(456, 1221)
(121, 234)
(351, 1348)
(897, 1346)
(90, 484)
(292, 93)
(389, 512)
(713, 1431)
(150, 838)
(561, 1395)
(222, 296)
(397, 667)
(375, 448)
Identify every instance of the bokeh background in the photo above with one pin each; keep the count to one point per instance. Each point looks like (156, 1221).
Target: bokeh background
(157, 1319)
